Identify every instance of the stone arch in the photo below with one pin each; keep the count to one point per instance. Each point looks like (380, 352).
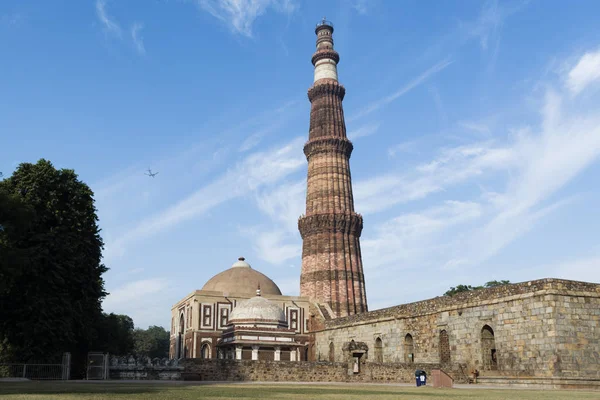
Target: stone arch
(378, 350)
(331, 352)
(205, 351)
(409, 349)
(444, 347)
(488, 349)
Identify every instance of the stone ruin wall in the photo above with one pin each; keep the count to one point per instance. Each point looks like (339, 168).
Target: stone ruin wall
(545, 328)
(298, 371)
(144, 368)
(131, 368)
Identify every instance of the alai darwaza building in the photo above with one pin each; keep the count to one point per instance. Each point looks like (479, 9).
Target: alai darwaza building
(241, 314)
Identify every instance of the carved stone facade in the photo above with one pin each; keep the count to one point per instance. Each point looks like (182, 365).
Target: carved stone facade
(332, 271)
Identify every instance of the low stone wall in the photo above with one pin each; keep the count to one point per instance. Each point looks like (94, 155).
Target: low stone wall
(289, 371)
(143, 368)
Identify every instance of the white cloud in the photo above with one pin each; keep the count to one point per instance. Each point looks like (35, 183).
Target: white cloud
(488, 24)
(284, 204)
(478, 127)
(586, 72)
(241, 14)
(110, 25)
(405, 89)
(412, 240)
(404, 147)
(536, 163)
(138, 40)
(279, 240)
(365, 130)
(138, 299)
(256, 170)
(276, 246)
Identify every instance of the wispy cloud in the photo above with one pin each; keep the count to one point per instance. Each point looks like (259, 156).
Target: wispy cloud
(241, 14)
(252, 173)
(537, 162)
(475, 126)
(138, 299)
(586, 72)
(405, 89)
(138, 40)
(491, 18)
(364, 130)
(404, 147)
(279, 240)
(110, 25)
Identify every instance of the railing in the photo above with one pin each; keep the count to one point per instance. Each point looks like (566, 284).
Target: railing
(35, 371)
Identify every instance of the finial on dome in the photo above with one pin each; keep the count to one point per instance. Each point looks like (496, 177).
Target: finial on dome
(258, 290)
(241, 258)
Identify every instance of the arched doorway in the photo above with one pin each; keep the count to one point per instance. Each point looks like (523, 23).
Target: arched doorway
(488, 348)
(331, 352)
(205, 351)
(444, 347)
(409, 349)
(378, 350)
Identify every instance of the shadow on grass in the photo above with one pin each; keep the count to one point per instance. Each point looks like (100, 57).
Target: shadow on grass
(45, 387)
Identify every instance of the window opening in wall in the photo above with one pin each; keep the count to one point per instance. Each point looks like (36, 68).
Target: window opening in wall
(378, 350)
(294, 319)
(224, 316)
(409, 349)
(207, 315)
(444, 347)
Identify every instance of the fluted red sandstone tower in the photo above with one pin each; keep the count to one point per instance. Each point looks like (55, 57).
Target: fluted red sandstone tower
(332, 269)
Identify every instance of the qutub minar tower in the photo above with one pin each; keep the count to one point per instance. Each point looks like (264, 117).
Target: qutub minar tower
(332, 270)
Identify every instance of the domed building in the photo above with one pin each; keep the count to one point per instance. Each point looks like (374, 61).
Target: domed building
(258, 330)
(228, 318)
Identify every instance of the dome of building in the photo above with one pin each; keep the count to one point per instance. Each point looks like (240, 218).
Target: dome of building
(257, 309)
(241, 279)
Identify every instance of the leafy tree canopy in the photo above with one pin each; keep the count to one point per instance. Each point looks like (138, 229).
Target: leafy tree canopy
(467, 288)
(51, 252)
(152, 342)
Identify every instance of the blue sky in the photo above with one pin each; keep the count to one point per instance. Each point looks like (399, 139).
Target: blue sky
(475, 125)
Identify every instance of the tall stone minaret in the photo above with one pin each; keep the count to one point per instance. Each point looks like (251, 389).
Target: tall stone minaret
(332, 269)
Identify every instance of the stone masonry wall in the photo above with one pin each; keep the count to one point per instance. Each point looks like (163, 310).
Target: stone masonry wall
(290, 371)
(541, 328)
(577, 329)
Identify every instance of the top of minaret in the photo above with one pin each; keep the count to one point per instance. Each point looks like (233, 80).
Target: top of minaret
(324, 24)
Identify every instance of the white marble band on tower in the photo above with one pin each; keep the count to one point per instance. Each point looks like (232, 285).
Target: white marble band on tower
(327, 59)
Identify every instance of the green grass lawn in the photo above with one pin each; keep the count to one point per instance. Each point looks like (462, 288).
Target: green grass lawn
(89, 391)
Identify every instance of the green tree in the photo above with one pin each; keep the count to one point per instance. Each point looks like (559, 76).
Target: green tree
(114, 334)
(467, 288)
(53, 303)
(152, 342)
(15, 219)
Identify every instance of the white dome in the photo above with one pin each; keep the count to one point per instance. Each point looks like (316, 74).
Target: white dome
(241, 262)
(257, 309)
